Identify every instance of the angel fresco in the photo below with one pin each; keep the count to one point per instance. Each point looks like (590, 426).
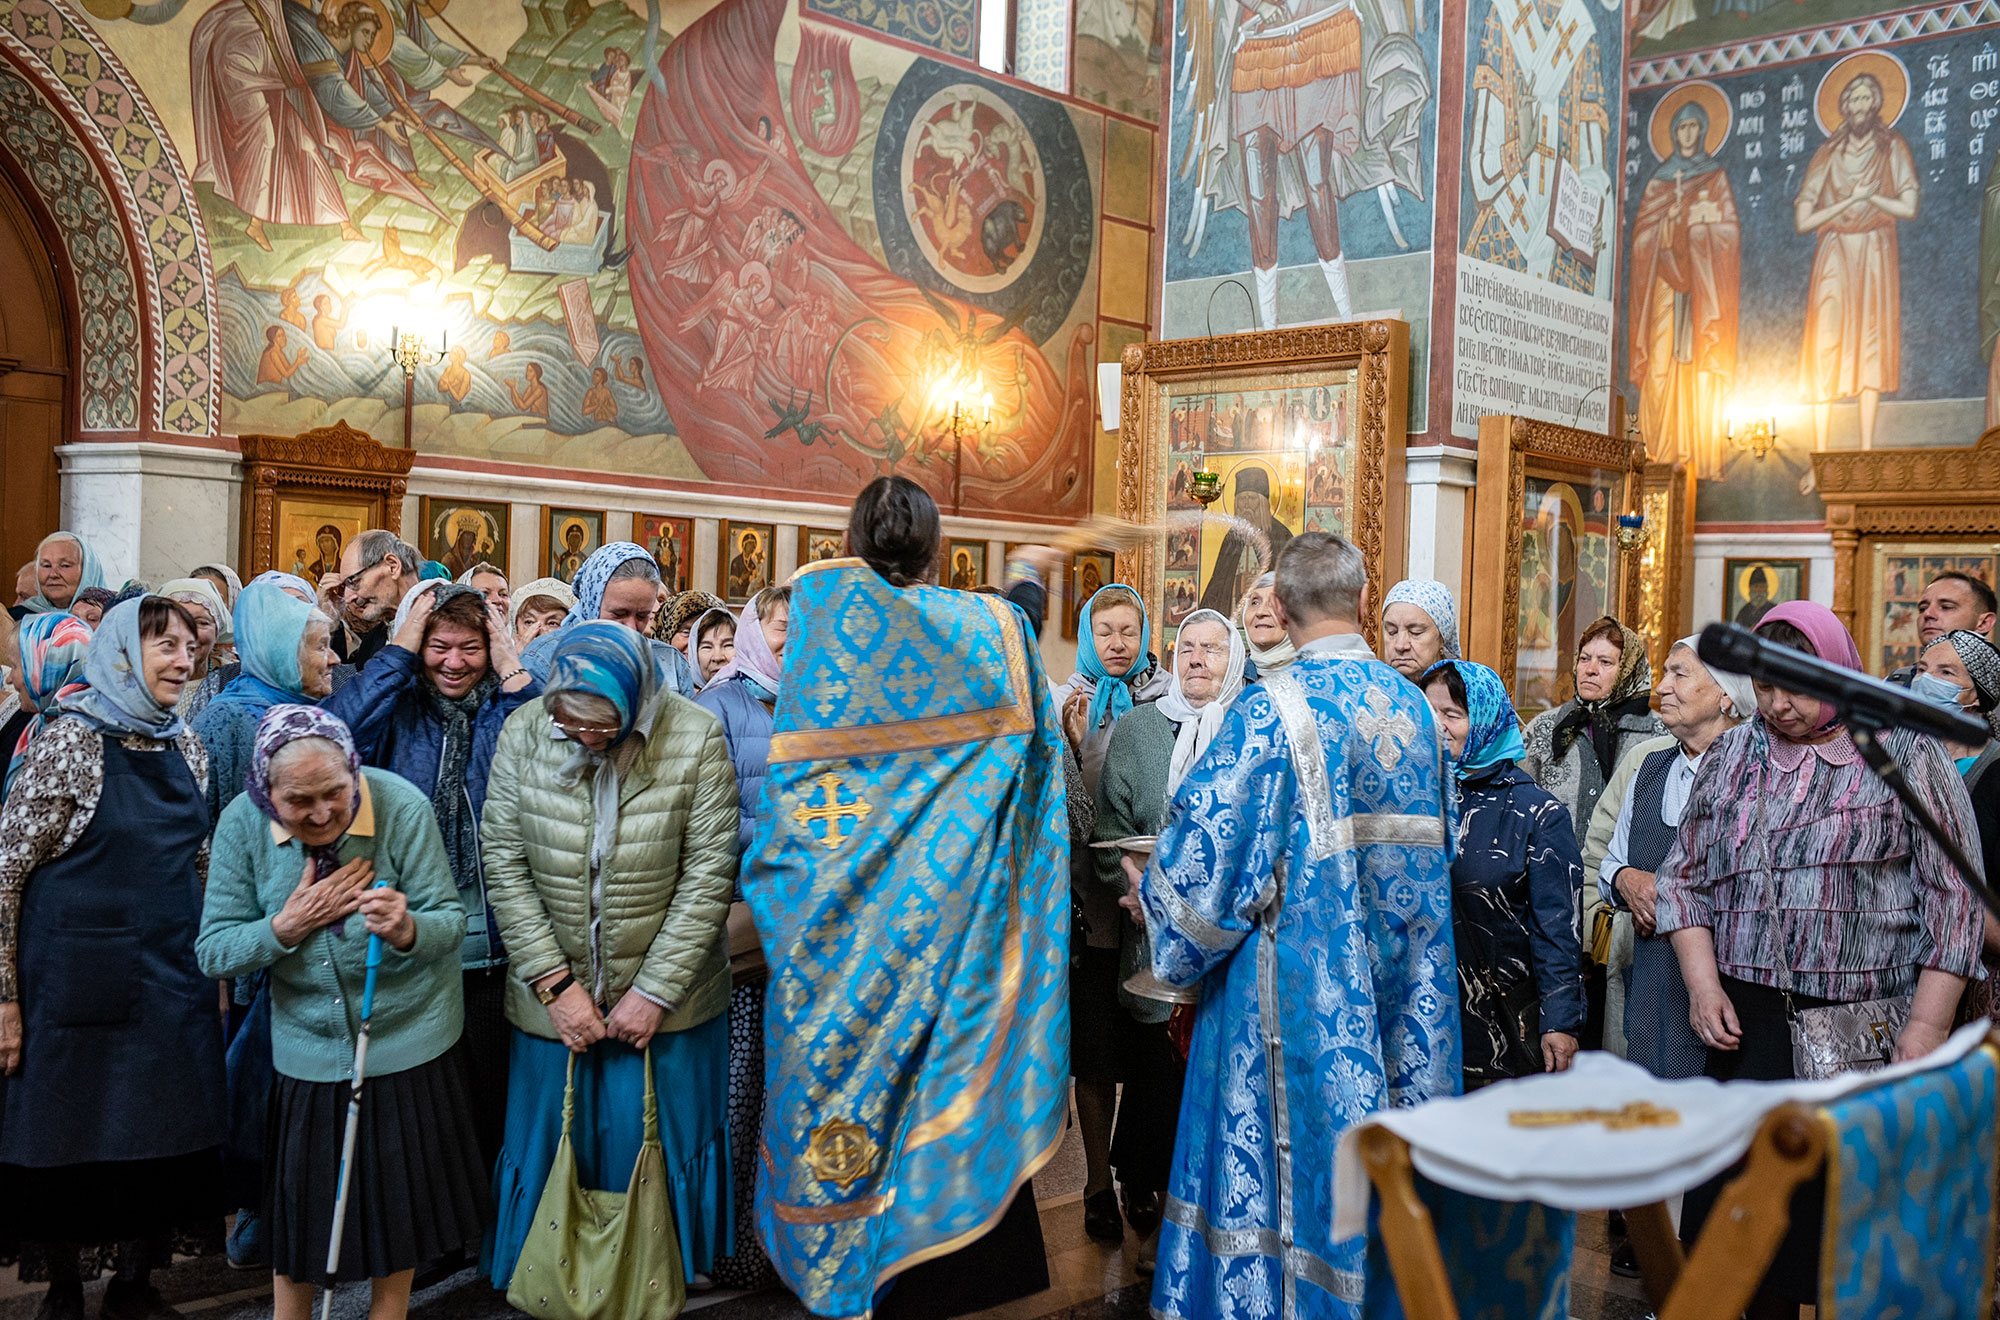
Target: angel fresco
(1301, 104)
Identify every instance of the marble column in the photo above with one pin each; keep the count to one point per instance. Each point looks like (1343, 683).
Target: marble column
(1440, 480)
(152, 511)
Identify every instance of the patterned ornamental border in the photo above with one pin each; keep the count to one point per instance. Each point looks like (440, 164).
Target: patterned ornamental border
(60, 51)
(49, 152)
(1788, 47)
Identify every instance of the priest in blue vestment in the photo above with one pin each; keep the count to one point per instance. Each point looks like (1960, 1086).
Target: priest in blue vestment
(1303, 882)
(910, 882)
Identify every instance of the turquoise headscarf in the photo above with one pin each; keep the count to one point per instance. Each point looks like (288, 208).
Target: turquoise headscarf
(1112, 695)
(93, 573)
(270, 626)
(118, 701)
(608, 660)
(1495, 735)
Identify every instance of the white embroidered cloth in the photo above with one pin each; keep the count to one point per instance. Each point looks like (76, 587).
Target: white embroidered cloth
(1467, 1143)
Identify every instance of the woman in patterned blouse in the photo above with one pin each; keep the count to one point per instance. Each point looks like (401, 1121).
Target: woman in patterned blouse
(1797, 880)
(111, 1111)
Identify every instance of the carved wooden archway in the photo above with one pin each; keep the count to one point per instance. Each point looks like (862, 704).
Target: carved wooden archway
(332, 464)
(1879, 493)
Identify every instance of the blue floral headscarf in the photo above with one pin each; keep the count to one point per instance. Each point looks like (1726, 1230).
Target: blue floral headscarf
(605, 660)
(93, 573)
(595, 575)
(1495, 735)
(1112, 696)
(270, 627)
(118, 701)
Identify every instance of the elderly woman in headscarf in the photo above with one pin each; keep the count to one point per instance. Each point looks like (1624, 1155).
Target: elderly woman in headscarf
(204, 604)
(680, 613)
(539, 607)
(619, 584)
(610, 840)
(1797, 881)
(53, 650)
(711, 644)
(285, 648)
(312, 859)
(1573, 748)
(112, 1108)
(430, 706)
(1152, 748)
(1961, 670)
(64, 565)
(1419, 626)
(223, 578)
(1270, 646)
(1514, 882)
(1645, 801)
(490, 581)
(91, 602)
(1115, 673)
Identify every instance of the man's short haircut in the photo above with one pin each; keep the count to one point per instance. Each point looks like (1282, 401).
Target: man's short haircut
(377, 545)
(1321, 576)
(1988, 602)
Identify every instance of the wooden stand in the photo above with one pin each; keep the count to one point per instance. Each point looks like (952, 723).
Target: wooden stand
(335, 473)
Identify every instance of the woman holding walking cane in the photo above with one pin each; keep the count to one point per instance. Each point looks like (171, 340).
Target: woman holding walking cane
(317, 856)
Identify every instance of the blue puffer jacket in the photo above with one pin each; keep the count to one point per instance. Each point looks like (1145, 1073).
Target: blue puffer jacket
(746, 726)
(394, 730)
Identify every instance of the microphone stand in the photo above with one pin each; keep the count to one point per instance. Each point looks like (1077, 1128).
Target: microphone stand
(1865, 729)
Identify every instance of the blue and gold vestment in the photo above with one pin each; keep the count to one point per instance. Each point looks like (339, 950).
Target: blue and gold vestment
(910, 880)
(1303, 880)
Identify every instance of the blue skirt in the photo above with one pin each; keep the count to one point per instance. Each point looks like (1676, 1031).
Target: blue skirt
(691, 1074)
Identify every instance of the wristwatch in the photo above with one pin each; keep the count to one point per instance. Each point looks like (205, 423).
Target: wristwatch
(548, 994)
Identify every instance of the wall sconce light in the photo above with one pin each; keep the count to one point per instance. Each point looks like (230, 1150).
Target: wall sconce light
(1757, 436)
(411, 352)
(964, 417)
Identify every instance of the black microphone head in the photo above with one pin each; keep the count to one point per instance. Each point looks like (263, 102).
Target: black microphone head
(1727, 646)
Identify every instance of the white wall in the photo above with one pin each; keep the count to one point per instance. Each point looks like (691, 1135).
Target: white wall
(1712, 549)
(152, 511)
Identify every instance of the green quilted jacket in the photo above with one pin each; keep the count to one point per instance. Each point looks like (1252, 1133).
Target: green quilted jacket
(663, 897)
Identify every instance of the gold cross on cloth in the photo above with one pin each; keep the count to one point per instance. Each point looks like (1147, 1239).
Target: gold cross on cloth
(832, 812)
(840, 1152)
(1635, 1114)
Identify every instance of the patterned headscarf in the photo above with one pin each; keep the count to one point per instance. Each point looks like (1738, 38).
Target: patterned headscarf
(1830, 640)
(1494, 734)
(700, 626)
(1982, 666)
(682, 610)
(102, 597)
(1268, 659)
(607, 660)
(1434, 599)
(92, 576)
(205, 595)
(117, 700)
(286, 581)
(754, 659)
(554, 589)
(1631, 694)
(53, 650)
(285, 724)
(595, 575)
(1110, 695)
(1197, 726)
(270, 627)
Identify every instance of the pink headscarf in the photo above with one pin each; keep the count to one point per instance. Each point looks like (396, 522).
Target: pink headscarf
(1830, 639)
(753, 654)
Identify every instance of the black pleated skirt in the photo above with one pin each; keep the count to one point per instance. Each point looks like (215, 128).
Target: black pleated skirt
(419, 1187)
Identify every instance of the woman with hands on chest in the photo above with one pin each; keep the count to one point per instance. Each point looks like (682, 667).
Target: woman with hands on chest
(317, 855)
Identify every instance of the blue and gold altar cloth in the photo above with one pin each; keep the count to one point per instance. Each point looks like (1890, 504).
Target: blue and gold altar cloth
(909, 878)
(1910, 1197)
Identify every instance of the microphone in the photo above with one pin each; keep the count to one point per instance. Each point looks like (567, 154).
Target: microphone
(1864, 702)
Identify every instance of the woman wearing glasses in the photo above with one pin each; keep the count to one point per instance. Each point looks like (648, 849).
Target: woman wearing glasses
(609, 839)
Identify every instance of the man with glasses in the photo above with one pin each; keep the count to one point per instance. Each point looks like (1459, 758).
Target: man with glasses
(377, 569)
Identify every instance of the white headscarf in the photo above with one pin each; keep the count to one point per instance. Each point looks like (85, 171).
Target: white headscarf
(1433, 598)
(693, 643)
(1270, 659)
(1742, 696)
(1197, 727)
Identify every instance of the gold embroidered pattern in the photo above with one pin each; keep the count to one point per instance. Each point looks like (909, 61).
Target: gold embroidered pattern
(840, 1152)
(832, 812)
(1635, 1114)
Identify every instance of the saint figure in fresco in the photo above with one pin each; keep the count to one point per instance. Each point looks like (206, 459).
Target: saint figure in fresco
(1239, 563)
(1861, 181)
(1687, 266)
(1301, 103)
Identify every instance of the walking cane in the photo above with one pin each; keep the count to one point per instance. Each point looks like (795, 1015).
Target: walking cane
(353, 1120)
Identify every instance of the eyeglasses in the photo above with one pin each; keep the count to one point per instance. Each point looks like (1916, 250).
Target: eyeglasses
(587, 730)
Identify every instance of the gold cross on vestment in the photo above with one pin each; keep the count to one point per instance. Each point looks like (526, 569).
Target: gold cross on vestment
(1635, 1114)
(832, 812)
(1568, 34)
(840, 1152)
(1521, 23)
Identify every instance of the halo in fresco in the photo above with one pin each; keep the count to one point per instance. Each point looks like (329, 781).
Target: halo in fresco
(982, 193)
(974, 185)
(1660, 124)
(1888, 71)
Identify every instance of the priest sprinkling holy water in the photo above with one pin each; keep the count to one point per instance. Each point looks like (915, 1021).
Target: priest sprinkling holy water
(1303, 878)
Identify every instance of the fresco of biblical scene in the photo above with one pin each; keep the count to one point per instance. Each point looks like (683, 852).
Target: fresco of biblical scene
(1859, 188)
(1894, 629)
(1285, 454)
(1660, 27)
(1116, 55)
(672, 542)
(1752, 588)
(1300, 164)
(638, 238)
(461, 533)
(1568, 545)
(569, 536)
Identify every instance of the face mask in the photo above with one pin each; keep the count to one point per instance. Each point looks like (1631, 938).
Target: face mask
(1937, 691)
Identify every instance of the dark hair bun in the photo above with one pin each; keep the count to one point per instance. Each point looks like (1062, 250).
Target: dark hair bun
(895, 528)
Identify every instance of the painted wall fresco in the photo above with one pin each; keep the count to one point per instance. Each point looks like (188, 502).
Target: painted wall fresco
(735, 246)
(1116, 49)
(1538, 208)
(1300, 163)
(1813, 240)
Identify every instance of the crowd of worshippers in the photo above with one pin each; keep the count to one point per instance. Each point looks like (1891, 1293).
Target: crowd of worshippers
(211, 781)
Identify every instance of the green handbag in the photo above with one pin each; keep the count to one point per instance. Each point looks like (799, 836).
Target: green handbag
(603, 1255)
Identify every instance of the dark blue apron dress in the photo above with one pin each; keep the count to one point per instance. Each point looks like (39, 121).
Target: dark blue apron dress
(1658, 1035)
(110, 1129)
